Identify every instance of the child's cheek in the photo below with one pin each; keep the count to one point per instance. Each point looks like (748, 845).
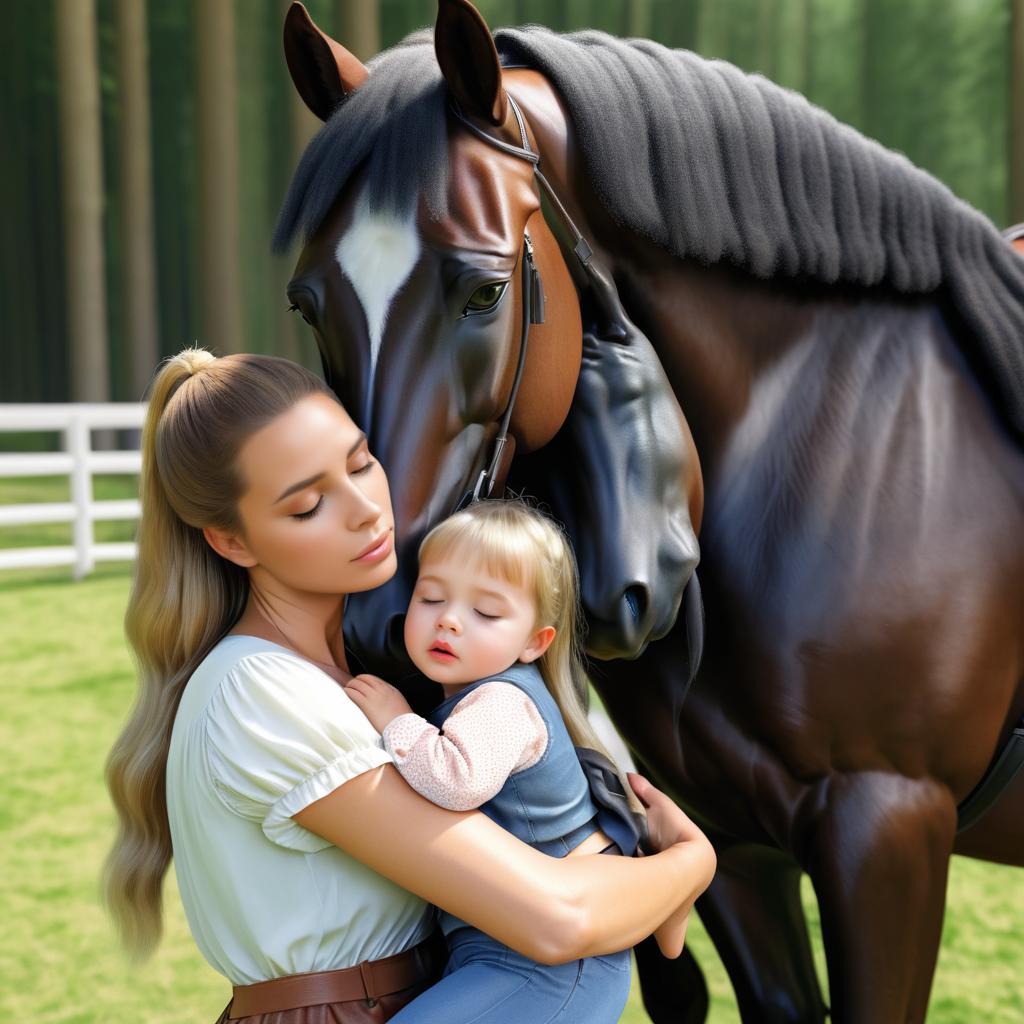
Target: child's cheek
(410, 626)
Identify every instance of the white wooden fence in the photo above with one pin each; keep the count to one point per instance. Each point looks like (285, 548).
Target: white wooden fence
(75, 421)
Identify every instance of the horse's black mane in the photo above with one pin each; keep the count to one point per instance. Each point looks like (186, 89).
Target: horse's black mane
(707, 161)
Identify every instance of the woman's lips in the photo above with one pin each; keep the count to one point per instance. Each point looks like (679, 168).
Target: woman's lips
(379, 549)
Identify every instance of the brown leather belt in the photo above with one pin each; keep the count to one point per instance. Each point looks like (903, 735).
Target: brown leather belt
(367, 981)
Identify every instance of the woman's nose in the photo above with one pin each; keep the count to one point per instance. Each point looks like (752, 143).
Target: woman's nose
(363, 510)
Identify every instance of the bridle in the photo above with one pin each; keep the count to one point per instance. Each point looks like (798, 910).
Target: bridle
(533, 312)
(532, 288)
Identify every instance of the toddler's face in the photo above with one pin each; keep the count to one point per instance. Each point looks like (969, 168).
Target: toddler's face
(464, 624)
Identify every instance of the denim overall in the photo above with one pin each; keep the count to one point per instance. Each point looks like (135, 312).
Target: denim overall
(547, 805)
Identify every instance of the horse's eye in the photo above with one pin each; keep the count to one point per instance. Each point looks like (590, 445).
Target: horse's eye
(485, 298)
(293, 308)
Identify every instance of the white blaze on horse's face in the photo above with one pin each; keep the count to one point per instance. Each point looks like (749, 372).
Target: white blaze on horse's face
(377, 254)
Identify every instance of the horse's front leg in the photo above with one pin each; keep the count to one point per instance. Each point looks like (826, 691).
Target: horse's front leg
(673, 991)
(754, 915)
(752, 909)
(878, 854)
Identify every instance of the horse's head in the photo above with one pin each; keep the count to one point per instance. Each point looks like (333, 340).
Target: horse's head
(415, 274)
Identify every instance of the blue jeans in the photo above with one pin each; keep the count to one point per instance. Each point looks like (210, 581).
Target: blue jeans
(488, 983)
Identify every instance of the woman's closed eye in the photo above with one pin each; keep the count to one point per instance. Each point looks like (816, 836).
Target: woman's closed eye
(312, 512)
(366, 467)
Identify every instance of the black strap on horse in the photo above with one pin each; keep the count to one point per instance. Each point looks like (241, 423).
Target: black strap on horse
(533, 313)
(1000, 774)
(1008, 761)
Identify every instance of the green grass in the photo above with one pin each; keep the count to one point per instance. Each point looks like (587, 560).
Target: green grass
(67, 681)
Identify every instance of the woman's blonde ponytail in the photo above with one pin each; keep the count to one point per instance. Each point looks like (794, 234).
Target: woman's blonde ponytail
(184, 596)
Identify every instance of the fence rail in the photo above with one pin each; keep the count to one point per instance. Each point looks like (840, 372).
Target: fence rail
(75, 422)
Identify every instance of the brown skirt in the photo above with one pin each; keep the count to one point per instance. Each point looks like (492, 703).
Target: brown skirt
(374, 1007)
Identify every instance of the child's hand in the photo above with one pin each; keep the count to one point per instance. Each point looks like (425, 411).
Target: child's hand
(379, 701)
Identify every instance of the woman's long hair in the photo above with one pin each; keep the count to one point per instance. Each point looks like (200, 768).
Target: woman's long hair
(184, 596)
(515, 542)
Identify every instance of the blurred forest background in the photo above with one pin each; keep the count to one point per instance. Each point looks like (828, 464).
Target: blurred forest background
(150, 144)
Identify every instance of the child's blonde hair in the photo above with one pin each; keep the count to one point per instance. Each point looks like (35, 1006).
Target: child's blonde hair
(515, 542)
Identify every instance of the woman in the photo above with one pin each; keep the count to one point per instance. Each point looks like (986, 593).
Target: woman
(300, 852)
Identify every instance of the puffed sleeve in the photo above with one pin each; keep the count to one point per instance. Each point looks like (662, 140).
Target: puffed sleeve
(281, 734)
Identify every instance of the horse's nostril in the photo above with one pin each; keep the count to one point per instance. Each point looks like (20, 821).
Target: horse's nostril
(636, 601)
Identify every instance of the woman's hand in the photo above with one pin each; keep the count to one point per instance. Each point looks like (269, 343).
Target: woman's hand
(667, 825)
(379, 701)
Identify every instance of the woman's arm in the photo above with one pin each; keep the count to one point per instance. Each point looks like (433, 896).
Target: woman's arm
(551, 910)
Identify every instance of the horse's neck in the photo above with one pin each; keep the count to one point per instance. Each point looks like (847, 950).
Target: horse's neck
(717, 336)
(780, 371)
(731, 345)
(710, 332)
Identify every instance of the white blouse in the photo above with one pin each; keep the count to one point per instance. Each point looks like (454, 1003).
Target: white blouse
(260, 734)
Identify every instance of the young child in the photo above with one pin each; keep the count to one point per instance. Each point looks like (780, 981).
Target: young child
(493, 619)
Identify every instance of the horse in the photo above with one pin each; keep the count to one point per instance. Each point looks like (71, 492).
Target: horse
(514, 283)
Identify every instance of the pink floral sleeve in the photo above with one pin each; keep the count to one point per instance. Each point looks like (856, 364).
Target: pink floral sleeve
(492, 733)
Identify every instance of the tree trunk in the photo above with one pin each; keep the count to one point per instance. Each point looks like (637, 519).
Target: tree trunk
(137, 236)
(767, 38)
(220, 283)
(359, 31)
(577, 14)
(638, 18)
(870, 69)
(807, 88)
(1016, 128)
(82, 173)
(296, 337)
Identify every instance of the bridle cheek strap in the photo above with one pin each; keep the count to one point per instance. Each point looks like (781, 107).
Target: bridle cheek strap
(532, 290)
(533, 313)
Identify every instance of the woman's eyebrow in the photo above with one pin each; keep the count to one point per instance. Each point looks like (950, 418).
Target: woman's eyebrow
(298, 486)
(360, 440)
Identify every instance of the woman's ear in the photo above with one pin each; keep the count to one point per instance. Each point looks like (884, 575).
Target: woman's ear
(229, 545)
(537, 644)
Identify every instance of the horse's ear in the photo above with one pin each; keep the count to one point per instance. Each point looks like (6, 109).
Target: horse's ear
(469, 61)
(323, 71)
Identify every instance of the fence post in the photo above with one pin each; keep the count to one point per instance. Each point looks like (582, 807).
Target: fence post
(77, 443)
